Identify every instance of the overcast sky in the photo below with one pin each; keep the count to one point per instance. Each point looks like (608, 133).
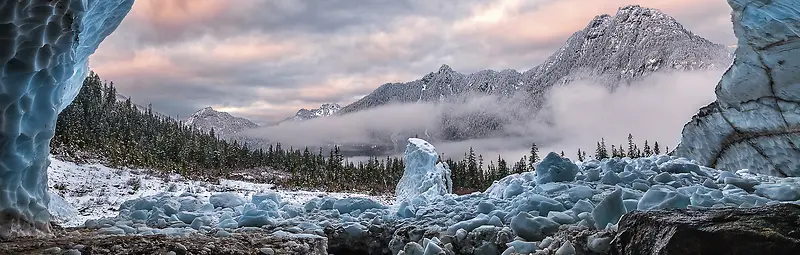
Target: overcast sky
(265, 59)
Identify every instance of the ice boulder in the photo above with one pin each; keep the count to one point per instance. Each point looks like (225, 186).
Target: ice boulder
(226, 200)
(44, 53)
(554, 168)
(755, 121)
(423, 176)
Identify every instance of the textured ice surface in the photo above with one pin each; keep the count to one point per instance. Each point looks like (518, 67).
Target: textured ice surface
(422, 177)
(755, 121)
(554, 168)
(45, 49)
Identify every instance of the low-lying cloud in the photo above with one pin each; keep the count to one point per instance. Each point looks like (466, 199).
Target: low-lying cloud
(575, 116)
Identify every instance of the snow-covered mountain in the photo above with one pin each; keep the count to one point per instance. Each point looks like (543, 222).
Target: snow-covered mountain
(616, 50)
(323, 111)
(223, 123)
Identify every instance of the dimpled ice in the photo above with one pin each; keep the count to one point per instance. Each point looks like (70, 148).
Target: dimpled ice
(44, 52)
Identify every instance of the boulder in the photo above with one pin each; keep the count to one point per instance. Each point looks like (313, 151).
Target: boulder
(771, 229)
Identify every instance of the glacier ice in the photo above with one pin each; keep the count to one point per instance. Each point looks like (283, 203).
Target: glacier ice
(423, 178)
(554, 168)
(44, 60)
(755, 121)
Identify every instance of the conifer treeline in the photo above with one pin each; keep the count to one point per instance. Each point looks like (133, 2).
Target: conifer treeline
(97, 125)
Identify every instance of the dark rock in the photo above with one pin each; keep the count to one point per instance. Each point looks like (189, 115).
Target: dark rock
(771, 229)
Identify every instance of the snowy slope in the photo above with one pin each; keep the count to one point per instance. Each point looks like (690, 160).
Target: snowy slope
(616, 49)
(97, 191)
(323, 111)
(223, 123)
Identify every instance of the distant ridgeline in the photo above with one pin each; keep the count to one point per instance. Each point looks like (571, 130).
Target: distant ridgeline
(99, 126)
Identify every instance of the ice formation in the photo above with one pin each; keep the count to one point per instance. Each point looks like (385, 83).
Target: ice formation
(755, 121)
(44, 56)
(423, 178)
(516, 214)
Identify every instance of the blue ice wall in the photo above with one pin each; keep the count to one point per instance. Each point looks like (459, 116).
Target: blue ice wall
(44, 51)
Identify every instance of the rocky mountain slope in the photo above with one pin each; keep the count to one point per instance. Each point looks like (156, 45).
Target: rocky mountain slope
(616, 49)
(755, 121)
(323, 111)
(223, 123)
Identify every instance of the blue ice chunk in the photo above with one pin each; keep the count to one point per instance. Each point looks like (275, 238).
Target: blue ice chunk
(140, 215)
(593, 175)
(187, 217)
(228, 223)
(582, 205)
(222, 233)
(561, 218)
(630, 204)
(433, 249)
(512, 190)
(271, 195)
(662, 197)
(310, 205)
(640, 185)
(111, 231)
(199, 222)
(470, 224)
(327, 203)
(226, 200)
(255, 218)
(535, 202)
(609, 210)
(663, 177)
(745, 184)
(495, 221)
(532, 228)
(348, 205)
(580, 192)
(405, 210)
(725, 174)
(354, 229)
(681, 166)
(708, 183)
(610, 178)
(616, 165)
(522, 247)
(778, 191)
(485, 207)
(190, 204)
(554, 168)
(268, 205)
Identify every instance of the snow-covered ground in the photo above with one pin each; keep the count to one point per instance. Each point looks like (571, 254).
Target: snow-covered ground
(96, 191)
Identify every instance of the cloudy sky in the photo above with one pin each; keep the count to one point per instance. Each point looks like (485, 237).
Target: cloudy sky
(265, 59)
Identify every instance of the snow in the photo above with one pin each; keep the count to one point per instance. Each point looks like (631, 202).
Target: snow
(423, 178)
(45, 53)
(97, 191)
(531, 213)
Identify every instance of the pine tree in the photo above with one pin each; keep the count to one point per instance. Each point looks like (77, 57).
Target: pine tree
(534, 157)
(562, 154)
(631, 147)
(647, 151)
(614, 152)
(580, 155)
(601, 152)
(656, 149)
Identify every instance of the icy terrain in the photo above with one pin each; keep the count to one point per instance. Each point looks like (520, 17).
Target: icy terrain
(516, 214)
(95, 191)
(44, 60)
(423, 178)
(755, 121)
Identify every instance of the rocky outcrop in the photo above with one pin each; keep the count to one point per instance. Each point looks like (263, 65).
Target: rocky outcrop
(755, 121)
(758, 230)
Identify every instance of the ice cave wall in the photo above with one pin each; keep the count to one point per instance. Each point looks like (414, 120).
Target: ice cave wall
(755, 121)
(44, 51)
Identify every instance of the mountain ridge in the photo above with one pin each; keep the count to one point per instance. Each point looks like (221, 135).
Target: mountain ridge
(657, 42)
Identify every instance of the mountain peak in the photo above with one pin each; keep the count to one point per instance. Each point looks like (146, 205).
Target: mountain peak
(445, 69)
(326, 109)
(223, 123)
